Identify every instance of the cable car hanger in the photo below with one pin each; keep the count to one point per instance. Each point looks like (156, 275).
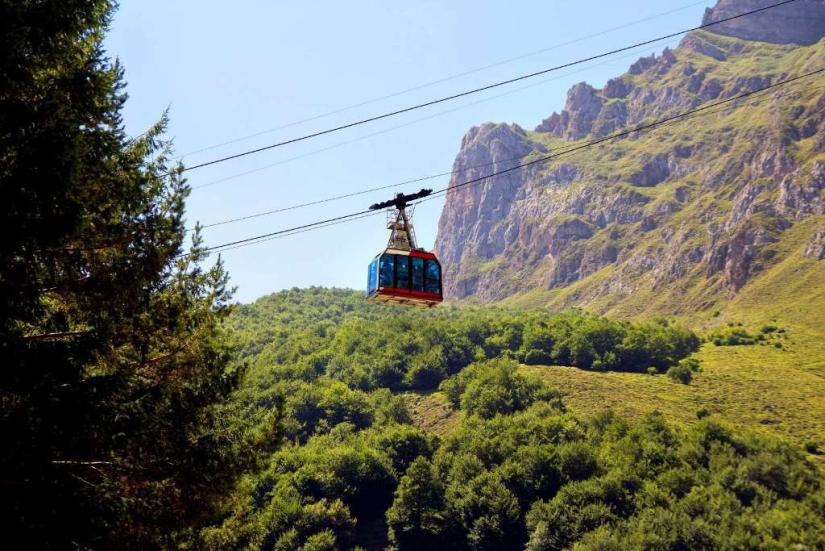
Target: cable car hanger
(402, 236)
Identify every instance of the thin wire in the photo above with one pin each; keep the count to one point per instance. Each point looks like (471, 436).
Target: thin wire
(371, 213)
(705, 110)
(416, 121)
(477, 90)
(280, 232)
(439, 81)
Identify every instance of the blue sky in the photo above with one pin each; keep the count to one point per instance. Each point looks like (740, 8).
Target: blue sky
(230, 69)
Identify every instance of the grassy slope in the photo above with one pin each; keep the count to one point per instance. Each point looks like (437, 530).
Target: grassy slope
(432, 412)
(751, 386)
(780, 391)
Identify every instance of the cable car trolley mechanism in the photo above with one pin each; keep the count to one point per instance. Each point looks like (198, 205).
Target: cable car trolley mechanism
(404, 273)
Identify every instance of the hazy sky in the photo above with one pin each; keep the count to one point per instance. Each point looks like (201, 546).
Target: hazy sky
(230, 69)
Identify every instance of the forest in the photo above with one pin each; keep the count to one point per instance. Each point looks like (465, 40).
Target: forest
(519, 471)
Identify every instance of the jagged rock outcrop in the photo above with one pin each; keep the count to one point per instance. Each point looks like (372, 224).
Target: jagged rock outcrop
(478, 208)
(697, 209)
(802, 192)
(815, 247)
(576, 121)
(799, 22)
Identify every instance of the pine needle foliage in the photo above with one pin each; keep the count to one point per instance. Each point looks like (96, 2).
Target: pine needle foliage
(114, 362)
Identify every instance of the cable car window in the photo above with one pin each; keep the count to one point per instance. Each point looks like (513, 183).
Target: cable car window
(402, 272)
(417, 274)
(372, 276)
(387, 271)
(432, 281)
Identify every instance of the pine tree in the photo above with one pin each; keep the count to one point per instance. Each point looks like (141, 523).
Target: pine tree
(114, 366)
(416, 519)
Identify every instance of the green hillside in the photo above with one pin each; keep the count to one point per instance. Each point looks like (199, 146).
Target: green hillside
(419, 428)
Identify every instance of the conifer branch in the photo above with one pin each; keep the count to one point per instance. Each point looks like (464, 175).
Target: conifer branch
(57, 335)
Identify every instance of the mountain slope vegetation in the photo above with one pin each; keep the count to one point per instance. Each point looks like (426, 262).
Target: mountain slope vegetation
(514, 464)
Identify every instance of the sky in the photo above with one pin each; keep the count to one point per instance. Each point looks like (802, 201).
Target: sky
(230, 70)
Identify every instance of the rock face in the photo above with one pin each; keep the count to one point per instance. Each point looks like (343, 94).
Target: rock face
(799, 22)
(696, 209)
(576, 121)
(815, 248)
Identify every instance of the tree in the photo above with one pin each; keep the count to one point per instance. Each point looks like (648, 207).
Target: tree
(416, 519)
(114, 359)
(488, 512)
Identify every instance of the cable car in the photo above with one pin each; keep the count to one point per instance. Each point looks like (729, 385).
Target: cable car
(404, 273)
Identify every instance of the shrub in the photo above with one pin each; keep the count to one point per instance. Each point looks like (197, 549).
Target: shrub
(494, 387)
(537, 357)
(424, 377)
(652, 370)
(732, 336)
(702, 413)
(322, 541)
(691, 363)
(680, 374)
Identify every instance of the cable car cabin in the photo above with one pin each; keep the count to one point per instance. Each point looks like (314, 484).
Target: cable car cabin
(404, 273)
(412, 278)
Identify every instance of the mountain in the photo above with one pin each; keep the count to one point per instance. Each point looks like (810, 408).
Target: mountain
(680, 219)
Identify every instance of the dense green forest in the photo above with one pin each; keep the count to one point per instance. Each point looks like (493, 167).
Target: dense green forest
(520, 470)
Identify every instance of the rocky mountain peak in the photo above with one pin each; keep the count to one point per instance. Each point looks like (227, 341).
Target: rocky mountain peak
(696, 210)
(800, 22)
(581, 110)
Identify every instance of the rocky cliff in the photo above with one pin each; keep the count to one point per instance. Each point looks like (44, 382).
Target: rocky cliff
(674, 219)
(799, 22)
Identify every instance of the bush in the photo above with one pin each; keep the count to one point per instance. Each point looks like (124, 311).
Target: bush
(494, 387)
(537, 357)
(652, 370)
(424, 377)
(691, 363)
(681, 374)
(322, 541)
(702, 413)
(732, 336)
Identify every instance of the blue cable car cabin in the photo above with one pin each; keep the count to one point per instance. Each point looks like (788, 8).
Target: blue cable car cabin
(405, 277)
